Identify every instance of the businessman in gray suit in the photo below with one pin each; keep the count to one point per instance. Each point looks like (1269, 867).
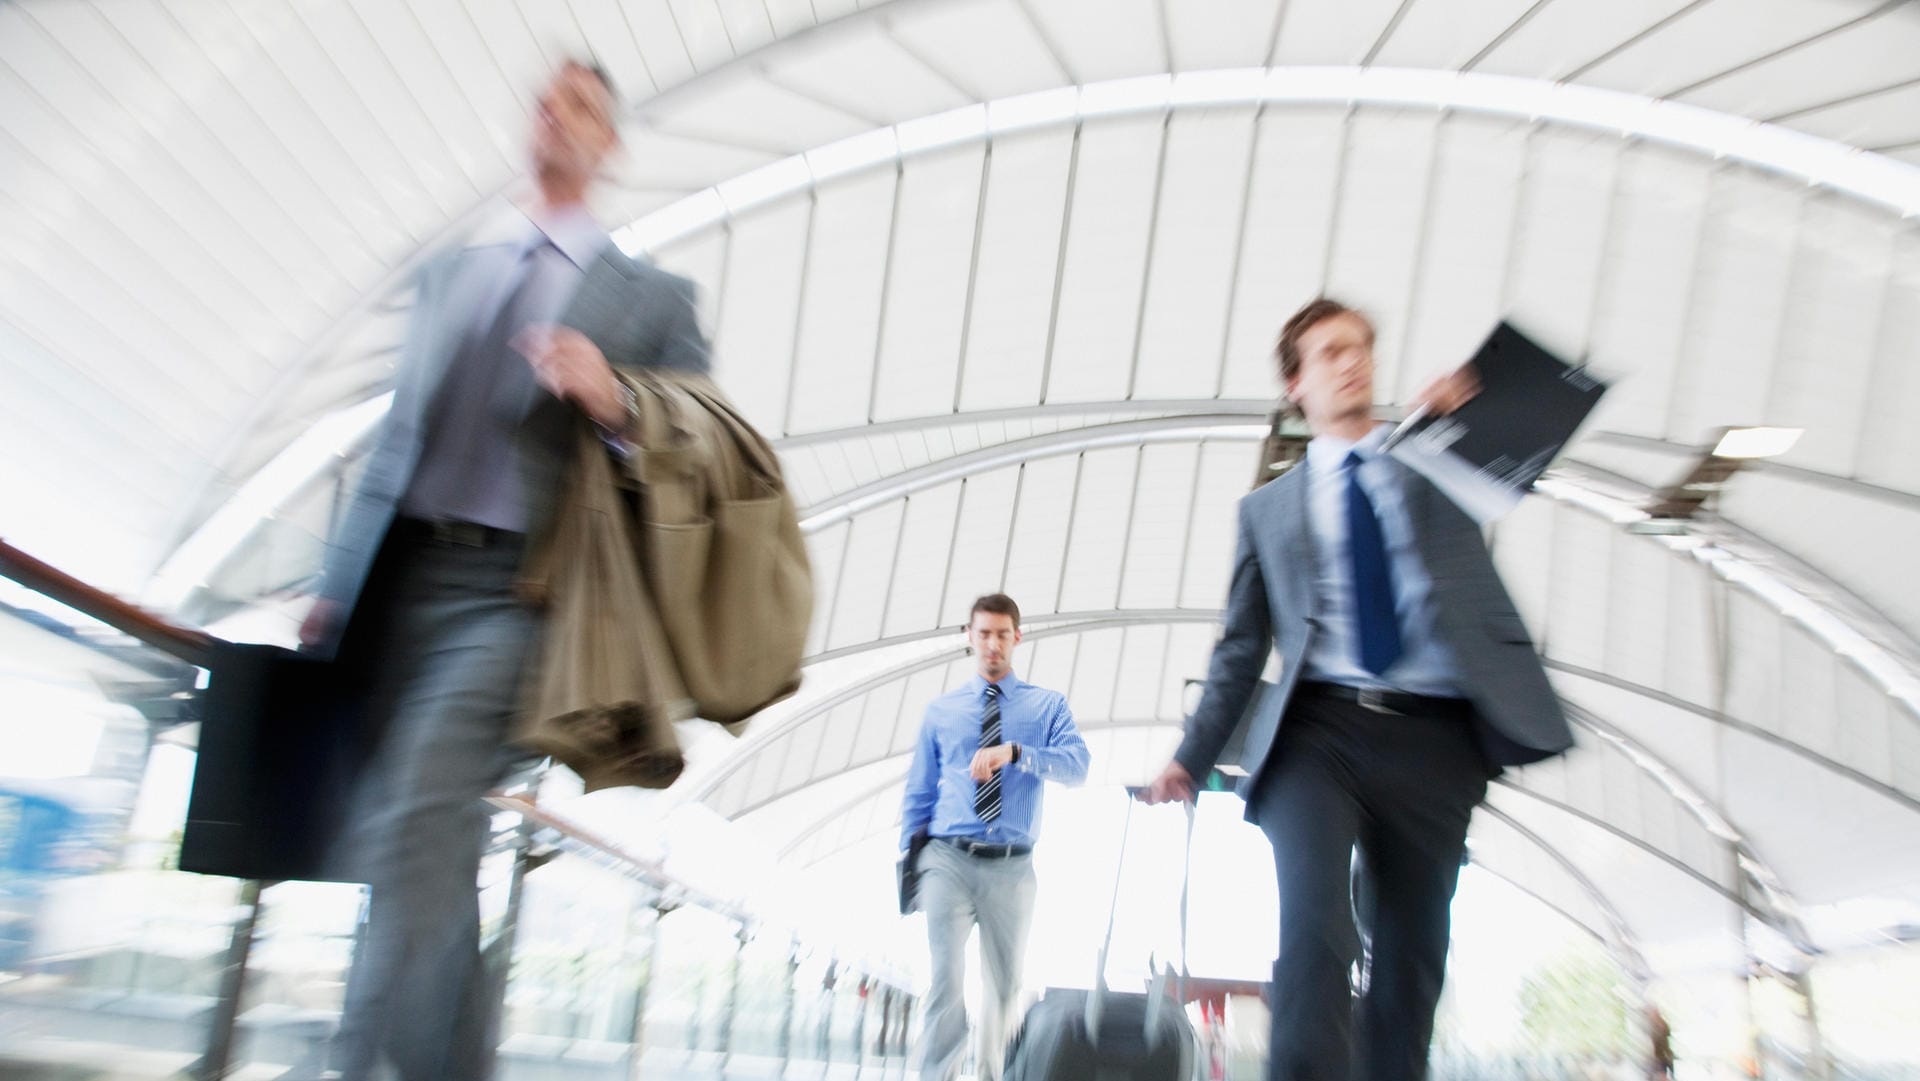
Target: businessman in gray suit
(1407, 680)
(511, 348)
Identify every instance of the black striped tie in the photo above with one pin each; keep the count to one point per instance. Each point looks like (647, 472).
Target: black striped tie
(986, 794)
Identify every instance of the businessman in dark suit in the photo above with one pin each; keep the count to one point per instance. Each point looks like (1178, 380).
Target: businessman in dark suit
(511, 347)
(1406, 681)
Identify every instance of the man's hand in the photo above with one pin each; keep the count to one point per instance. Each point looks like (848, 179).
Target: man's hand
(320, 623)
(1450, 391)
(990, 760)
(1174, 785)
(573, 369)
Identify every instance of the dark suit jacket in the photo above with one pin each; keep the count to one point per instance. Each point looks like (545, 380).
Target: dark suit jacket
(1271, 605)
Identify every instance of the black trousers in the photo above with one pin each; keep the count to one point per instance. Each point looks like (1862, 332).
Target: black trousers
(1400, 789)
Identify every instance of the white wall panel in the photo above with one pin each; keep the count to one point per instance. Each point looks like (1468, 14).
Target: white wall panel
(1557, 253)
(1105, 266)
(1105, 39)
(1289, 224)
(927, 288)
(1332, 31)
(1889, 451)
(760, 308)
(1013, 277)
(855, 610)
(1465, 246)
(1190, 280)
(1101, 511)
(1038, 546)
(1829, 334)
(989, 47)
(841, 308)
(921, 567)
(980, 544)
(1647, 288)
(1149, 578)
(1377, 231)
(1734, 327)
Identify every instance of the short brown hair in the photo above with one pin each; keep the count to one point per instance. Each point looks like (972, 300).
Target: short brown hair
(1317, 311)
(598, 70)
(997, 603)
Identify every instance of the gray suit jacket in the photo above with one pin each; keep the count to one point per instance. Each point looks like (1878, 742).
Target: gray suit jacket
(1271, 604)
(639, 316)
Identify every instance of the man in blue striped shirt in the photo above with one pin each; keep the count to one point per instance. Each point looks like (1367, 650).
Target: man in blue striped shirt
(986, 748)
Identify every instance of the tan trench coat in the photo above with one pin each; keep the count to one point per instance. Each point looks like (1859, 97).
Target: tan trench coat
(676, 585)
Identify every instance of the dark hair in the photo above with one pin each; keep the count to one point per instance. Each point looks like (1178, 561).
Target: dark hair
(593, 67)
(997, 603)
(1317, 311)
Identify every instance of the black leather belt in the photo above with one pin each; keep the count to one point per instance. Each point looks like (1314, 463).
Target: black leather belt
(1394, 703)
(451, 533)
(985, 851)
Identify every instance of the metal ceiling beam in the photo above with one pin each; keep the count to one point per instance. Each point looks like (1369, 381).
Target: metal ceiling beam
(1190, 428)
(1782, 906)
(1725, 892)
(1250, 407)
(1832, 765)
(1623, 941)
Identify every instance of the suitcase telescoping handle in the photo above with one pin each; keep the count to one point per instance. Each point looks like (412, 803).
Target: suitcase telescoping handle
(1156, 992)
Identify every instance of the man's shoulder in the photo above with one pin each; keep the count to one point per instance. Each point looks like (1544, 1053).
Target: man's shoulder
(956, 697)
(1269, 496)
(1041, 696)
(644, 272)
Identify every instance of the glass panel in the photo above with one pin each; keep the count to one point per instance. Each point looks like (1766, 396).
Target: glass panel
(108, 955)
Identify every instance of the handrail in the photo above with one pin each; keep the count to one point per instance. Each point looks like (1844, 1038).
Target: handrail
(653, 873)
(192, 646)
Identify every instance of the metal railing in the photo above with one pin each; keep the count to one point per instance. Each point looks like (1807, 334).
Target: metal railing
(592, 1000)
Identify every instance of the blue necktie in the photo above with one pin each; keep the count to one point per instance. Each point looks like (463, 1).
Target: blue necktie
(1378, 626)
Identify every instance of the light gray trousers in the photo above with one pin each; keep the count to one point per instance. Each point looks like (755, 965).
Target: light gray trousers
(419, 999)
(957, 892)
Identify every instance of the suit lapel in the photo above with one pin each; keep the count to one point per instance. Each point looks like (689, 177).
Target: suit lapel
(452, 317)
(1287, 542)
(604, 298)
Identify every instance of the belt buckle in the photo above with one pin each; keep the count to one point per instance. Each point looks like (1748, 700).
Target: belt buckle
(1374, 700)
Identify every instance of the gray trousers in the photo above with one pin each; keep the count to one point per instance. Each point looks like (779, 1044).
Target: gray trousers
(957, 892)
(455, 642)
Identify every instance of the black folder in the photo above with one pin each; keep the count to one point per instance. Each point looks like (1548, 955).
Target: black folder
(1529, 406)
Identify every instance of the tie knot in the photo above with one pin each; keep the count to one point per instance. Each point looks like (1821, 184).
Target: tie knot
(1355, 460)
(993, 690)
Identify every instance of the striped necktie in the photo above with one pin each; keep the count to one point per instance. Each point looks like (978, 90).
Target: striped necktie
(986, 794)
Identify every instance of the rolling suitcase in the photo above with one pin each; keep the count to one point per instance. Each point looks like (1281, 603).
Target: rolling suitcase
(1104, 1035)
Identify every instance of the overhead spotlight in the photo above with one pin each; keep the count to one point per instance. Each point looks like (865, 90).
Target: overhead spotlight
(1729, 452)
(1755, 442)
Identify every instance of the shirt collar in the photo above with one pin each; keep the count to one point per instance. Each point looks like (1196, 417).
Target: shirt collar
(571, 229)
(1328, 453)
(978, 684)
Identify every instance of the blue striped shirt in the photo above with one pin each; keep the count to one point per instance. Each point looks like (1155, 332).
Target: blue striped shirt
(939, 788)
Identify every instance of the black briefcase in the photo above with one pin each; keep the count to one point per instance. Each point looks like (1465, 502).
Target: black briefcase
(282, 746)
(907, 870)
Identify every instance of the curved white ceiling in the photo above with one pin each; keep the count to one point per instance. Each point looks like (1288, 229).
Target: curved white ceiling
(1025, 345)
